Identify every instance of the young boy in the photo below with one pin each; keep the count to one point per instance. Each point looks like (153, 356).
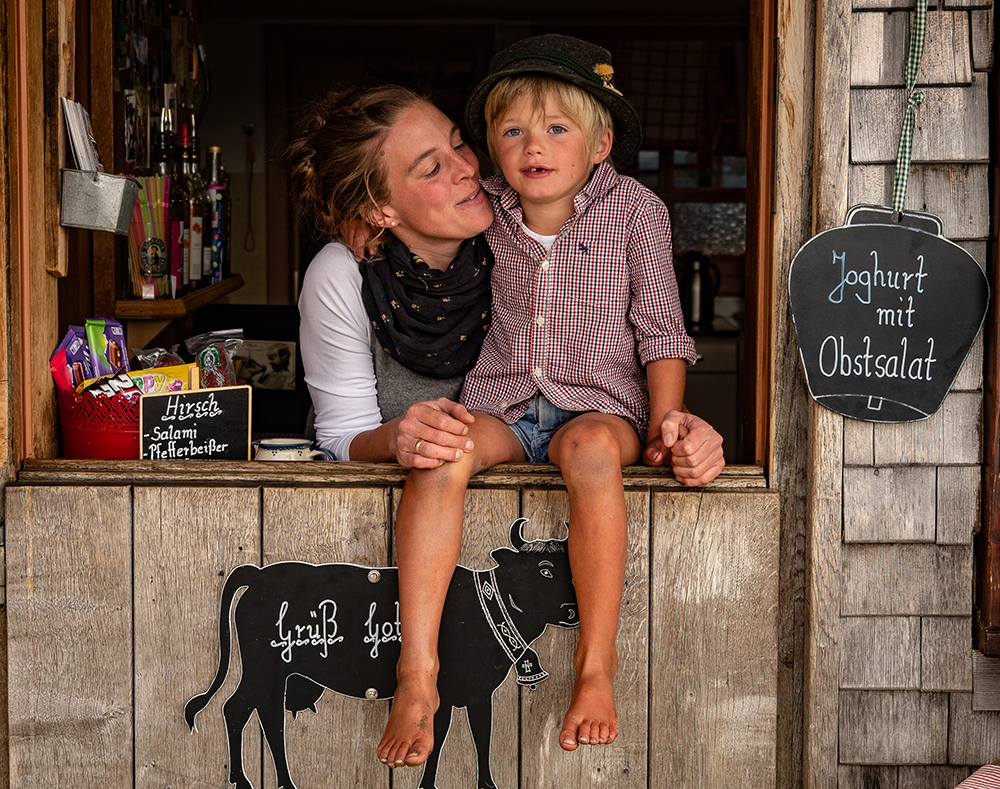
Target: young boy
(586, 320)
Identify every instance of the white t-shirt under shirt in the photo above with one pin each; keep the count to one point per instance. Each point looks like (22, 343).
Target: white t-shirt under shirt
(335, 340)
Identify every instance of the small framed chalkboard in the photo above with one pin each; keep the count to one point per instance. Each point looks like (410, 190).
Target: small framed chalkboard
(205, 424)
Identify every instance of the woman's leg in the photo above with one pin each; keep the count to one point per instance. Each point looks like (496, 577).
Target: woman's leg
(590, 450)
(428, 542)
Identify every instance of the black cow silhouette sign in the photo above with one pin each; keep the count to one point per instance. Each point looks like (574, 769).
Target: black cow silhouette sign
(303, 628)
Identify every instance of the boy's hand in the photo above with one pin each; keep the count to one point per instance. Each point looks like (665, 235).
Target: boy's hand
(693, 447)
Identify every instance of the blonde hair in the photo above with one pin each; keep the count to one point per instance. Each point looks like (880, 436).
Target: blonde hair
(579, 104)
(334, 161)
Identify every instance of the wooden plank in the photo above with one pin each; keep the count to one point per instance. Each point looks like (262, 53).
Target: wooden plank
(256, 474)
(69, 613)
(864, 776)
(713, 685)
(974, 737)
(319, 526)
(952, 124)
(880, 653)
(958, 490)
(623, 763)
(38, 288)
(910, 580)
(893, 727)
(487, 517)
(879, 43)
(982, 39)
(936, 776)
(953, 435)
(985, 682)
(182, 559)
(968, 3)
(958, 193)
(812, 59)
(859, 443)
(59, 60)
(893, 504)
(106, 254)
(946, 653)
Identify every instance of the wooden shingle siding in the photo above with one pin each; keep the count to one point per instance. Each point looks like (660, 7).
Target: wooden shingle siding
(970, 377)
(933, 5)
(859, 443)
(889, 504)
(932, 776)
(946, 653)
(958, 489)
(958, 193)
(985, 682)
(982, 39)
(974, 737)
(909, 580)
(865, 776)
(951, 124)
(879, 42)
(893, 727)
(953, 435)
(968, 3)
(880, 653)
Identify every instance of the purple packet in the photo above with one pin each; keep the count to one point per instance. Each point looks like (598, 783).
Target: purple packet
(78, 355)
(108, 353)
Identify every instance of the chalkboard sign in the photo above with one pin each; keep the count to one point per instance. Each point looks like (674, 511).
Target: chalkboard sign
(206, 424)
(885, 313)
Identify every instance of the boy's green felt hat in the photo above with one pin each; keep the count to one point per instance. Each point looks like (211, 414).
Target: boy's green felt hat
(576, 61)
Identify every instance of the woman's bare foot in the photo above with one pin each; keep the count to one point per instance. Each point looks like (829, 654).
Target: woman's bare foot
(409, 735)
(591, 719)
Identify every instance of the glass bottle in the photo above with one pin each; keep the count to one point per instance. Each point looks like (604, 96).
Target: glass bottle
(164, 166)
(198, 211)
(209, 207)
(217, 183)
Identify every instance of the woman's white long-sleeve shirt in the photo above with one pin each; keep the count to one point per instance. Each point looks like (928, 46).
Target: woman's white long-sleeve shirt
(335, 340)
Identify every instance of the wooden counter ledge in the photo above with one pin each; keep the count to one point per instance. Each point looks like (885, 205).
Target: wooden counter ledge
(325, 474)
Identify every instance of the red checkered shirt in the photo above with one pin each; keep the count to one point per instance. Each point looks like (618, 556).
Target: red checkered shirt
(580, 323)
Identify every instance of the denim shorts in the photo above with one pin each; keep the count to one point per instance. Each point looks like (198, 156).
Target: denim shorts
(535, 429)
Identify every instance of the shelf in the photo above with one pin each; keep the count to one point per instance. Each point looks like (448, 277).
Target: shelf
(166, 309)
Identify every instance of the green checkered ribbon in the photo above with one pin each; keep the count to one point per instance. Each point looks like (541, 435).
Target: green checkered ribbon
(913, 97)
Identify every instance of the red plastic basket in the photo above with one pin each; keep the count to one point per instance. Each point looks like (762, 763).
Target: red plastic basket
(99, 427)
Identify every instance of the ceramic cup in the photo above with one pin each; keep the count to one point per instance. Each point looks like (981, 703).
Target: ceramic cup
(288, 449)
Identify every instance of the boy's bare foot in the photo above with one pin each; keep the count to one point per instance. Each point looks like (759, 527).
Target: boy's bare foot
(409, 735)
(591, 719)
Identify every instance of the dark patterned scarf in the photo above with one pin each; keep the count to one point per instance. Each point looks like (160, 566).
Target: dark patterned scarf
(433, 322)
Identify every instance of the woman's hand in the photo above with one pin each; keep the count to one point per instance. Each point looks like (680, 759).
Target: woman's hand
(433, 432)
(693, 447)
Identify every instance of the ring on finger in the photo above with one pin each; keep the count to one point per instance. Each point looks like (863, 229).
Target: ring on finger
(416, 447)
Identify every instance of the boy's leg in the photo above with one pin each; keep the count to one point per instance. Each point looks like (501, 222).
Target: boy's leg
(428, 542)
(590, 450)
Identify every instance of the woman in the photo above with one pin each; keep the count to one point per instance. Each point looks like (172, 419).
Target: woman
(388, 173)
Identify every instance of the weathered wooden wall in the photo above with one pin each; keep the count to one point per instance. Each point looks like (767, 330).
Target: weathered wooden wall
(894, 507)
(113, 599)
